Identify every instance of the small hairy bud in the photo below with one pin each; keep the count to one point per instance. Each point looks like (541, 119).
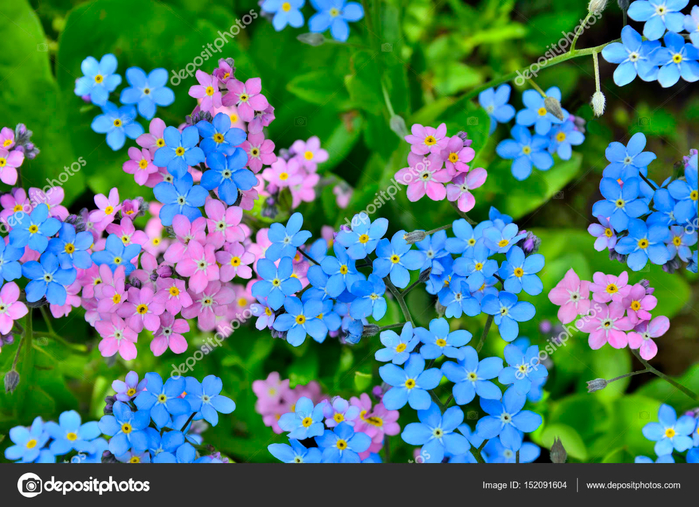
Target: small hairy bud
(424, 275)
(558, 453)
(440, 308)
(312, 39)
(198, 116)
(554, 107)
(109, 405)
(596, 385)
(464, 137)
(370, 330)
(598, 102)
(414, 237)
(597, 6)
(108, 457)
(11, 381)
(530, 244)
(397, 124)
(623, 4)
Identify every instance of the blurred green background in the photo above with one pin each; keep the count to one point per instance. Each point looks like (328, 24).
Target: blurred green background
(428, 55)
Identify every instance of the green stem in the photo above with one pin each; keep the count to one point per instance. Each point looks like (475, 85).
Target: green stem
(537, 88)
(477, 452)
(461, 213)
(401, 302)
(488, 323)
(442, 228)
(308, 257)
(667, 379)
(580, 30)
(392, 326)
(631, 374)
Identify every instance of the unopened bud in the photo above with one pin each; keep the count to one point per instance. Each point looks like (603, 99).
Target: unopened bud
(464, 137)
(414, 237)
(596, 385)
(558, 453)
(370, 330)
(424, 275)
(530, 244)
(108, 457)
(672, 265)
(598, 102)
(623, 4)
(109, 405)
(440, 308)
(397, 124)
(11, 381)
(597, 6)
(312, 39)
(554, 107)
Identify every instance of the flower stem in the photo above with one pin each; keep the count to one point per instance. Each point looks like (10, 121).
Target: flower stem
(401, 301)
(488, 323)
(667, 379)
(580, 31)
(308, 257)
(392, 326)
(461, 213)
(477, 452)
(631, 374)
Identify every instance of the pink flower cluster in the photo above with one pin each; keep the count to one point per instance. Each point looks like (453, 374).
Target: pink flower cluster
(11, 156)
(616, 313)
(438, 167)
(275, 398)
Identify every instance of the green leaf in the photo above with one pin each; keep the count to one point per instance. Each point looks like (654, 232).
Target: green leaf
(319, 88)
(571, 440)
(364, 82)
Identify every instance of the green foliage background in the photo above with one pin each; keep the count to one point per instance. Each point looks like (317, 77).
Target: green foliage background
(428, 55)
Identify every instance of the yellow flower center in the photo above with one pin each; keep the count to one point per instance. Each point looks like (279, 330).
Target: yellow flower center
(179, 151)
(143, 163)
(612, 289)
(218, 138)
(341, 444)
(300, 319)
(608, 232)
(364, 238)
(430, 141)
(116, 298)
(235, 261)
(401, 347)
(108, 210)
(99, 78)
(210, 90)
(677, 58)
(284, 176)
(18, 207)
(643, 243)
(308, 155)
(160, 142)
(338, 417)
(31, 444)
(69, 248)
(542, 111)
(560, 137)
(307, 421)
(33, 228)
(670, 432)
(72, 436)
(677, 241)
(694, 195)
(142, 309)
(117, 123)
(135, 459)
(242, 302)
(526, 150)
(286, 6)
(131, 392)
(126, 428)
(395, 259)
(344, 269)
(453, 157)
(636, 305)
(7, 143)
(410, 383)
(503, 242)
(441, 342)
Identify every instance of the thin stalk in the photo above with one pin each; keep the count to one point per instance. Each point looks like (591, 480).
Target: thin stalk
(392, 326)
(667, 379)
(631, 374)
(308, 257)
(401, 302)
(477, 452)
(461, 213)
(488, 323)
(537, 88)
(442, 228)
(580, 30)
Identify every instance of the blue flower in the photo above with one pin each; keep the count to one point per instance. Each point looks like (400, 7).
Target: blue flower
(634, 57)
(185, 453)
(524, 368)
(147, 91)
(457, 298)
(301, 319)
(507, 419)
(495, 103)
(519, 272)
(678, 59)
(439, 341)
(342, 444)
(692, 456)
(287, 12)
(471, 377)
(276, 283)
(644, 243)
(658, 15)
(477, 268)
(691, 24)
(34, 229)
(305, 422)
(466, 237)
(433, 248)
(286, 239)
(117, 254)
(319, 285)
(686, 193)
(495, 452)
(670, 432)
(70, 434)
(294, 453)
(99, 79)
(501, 237)
(163, 399)
(370, 298)
(395, 258)
(180, 151)
(508, 312)
(679, 242)
(118, 123)
(341, 269)
(228, 175)
(409, 384)
(628, 161)
(29, 443)
(205, 397)
(664, 208)
(661, 459)
(526, 151)
(398, 348)
(218, 136)
(126, 428)
(435, 433)
(163, 447)
(335, 14)
(10, 268)
(621, 203)
(47, 279)
(71, 248)
(535, 112)
(180, 197)
(563, 137)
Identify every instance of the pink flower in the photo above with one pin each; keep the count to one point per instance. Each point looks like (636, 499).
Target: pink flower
(13, 202)
(72, 301)
(53, 199)
(608, 325)
(140, 165)
(111, 292)
(309, 153)
(606, 288)
(131, 207)
(10, 308)
(305, 191)
(141, 309)
(9, 162)
(572, 296)
(186, 233)
(90, 279)
(261, 244)
(172, 294)
(170, 335)
(208, 304)
(234, 261)
(456, 155)
(638, 304)
(207, 90)
(270, 392)
(425, 175)
(223, 222)
(283, 174)
(342, 195)
(127, 232)
(460, 188)
(426, 140)
(154, 232)
(199, 265)
(643, 334)
(247, 97)
(262, 119)
(7, 138)
(108, 208)
(260, 151)
(224, 72)
(116, 337)
(154, 139)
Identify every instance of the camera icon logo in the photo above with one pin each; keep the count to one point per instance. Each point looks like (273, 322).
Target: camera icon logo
(30, 485)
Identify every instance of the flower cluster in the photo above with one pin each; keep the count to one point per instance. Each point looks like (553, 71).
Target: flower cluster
(146, 91)
(555, 130)
(147, 421)
(15, 146)
(612, 311)
(671, 434)
(649, 59)
(330, 14)
(641, 221)
(438, 167)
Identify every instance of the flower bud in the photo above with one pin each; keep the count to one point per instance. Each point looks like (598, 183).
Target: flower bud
(11, 381)
(596, 6)
(439, 308)
(312, 39)
(424, 275)
(623, 4)
(596, 385)
(598, 102)
(164, 271)
(530, 244)
(672, 265)
(370, 330)
(558, 453)
(397, 124)
(108, 457)
(414, 237)
(554, 107)
(109, 405)
(464, 137)
(38, 304)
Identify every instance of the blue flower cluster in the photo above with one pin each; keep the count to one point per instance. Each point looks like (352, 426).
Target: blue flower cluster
(671, 434)
(144, 93)
(330, 14)
(550, 136)
(649, 59)
(641, 221)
